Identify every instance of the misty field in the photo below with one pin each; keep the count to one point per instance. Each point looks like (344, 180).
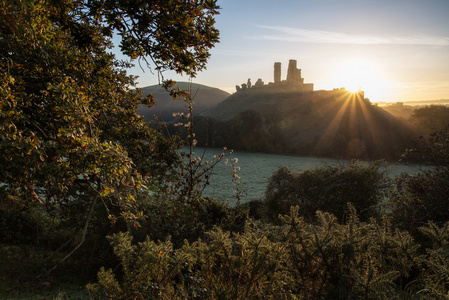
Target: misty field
(256, 168)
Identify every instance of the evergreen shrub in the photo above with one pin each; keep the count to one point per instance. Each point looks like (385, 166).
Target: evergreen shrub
(296, 260)
(327, 188)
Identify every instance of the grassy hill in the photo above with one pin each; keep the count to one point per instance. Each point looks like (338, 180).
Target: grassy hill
(204, 97)
(321, 123)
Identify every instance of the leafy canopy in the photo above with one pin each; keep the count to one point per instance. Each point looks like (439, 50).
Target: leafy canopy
(70, 137)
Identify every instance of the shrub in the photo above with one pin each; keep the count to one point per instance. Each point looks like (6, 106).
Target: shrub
(256, 208)
(297, 260)
(178, 218)
(222, 266)
(327, 188)
(355, 260)
(436, 276)
(420, 198)
(147, 269)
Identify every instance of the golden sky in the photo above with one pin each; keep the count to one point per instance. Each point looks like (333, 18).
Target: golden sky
(395, 50)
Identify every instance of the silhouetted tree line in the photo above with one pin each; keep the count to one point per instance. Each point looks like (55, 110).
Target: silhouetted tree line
(253, 131)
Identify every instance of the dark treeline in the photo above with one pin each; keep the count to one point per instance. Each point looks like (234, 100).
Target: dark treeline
(333, 124)
(386, 138)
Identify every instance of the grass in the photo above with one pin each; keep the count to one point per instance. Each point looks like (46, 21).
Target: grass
(41, 290)
(19, 280)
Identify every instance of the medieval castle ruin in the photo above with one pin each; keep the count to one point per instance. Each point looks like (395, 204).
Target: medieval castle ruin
(294, 80)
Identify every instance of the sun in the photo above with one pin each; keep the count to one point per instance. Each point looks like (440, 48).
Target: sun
(353, 75)
(361, 74)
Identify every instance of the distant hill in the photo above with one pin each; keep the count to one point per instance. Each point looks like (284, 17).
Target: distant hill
(321, 123)
(204, 97)
(415, 103)
(405, 110)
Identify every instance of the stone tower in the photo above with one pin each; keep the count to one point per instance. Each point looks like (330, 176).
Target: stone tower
(277, 72)
(292, 72)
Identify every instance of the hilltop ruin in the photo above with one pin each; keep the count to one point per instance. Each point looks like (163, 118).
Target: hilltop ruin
(294, 81)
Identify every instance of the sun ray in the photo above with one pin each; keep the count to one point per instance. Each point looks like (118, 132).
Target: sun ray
(327, 138)
(373, 128)
(353, 129)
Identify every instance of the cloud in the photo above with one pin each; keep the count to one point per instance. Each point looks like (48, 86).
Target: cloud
(434, 85)
(243, 53)
(290, 34)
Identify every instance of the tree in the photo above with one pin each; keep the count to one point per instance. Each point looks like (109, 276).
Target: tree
(423, 197)
(71, 141)
(432, 124)
(430, 119)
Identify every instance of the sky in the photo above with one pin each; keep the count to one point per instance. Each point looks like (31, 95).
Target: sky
(393, 50)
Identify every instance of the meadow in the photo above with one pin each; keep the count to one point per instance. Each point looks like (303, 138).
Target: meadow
(256, 168)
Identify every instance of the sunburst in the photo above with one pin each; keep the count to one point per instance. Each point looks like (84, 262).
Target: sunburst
(358, 74)
(353, 127)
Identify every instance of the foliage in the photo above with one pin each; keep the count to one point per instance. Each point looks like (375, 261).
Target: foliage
(431, 122)
(254, 132)
(238, 267)
(420, 198)
(423, 197)
(352, 261)
(327, 188)
(429, 119)
(179, 209)
(174, 217)
(298, 260)
(71, 143)
(432, 149)
(335, 124)
(436, 277)
(249, 131)
(256, 209)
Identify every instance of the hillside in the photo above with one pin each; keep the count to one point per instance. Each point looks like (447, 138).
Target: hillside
(204, 97)
(322, 123)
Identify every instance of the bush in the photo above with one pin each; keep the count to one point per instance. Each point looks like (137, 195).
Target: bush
(18, 225)
(436, 277)
(327, 188)
(178, 218)
(222, 266)
(298, 260)
(256, 208)
(420, 198)
(355, 260)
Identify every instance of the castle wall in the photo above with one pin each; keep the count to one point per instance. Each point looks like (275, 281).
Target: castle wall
(294, 80)
(307, 87)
